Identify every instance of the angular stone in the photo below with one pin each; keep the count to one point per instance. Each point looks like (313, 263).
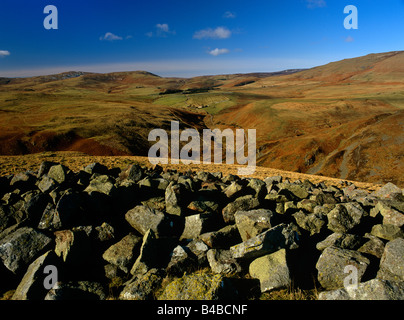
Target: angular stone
(199, 249)
(47, 184)
(204, 176)
(74, 247)
(143, 218)
(388, 191)
(324, 209)
(197, 224)
(253, 222)
(373, 246)
(50, 220)
(375, 289)
(199, 286)
(273, 180)
(180, 262)
(240, 204)
(222, 261)
(332, 263)
(134, 172)
(289, 207)
(156, 203)
(188, 182)
(123, 253)
(175, 197)
(387, 231)
(5, 218)
(292, 191)
(203, 206)
(32, 286)
(223, 238)
(338, 294)
(153, 185)
(345, 216)
(307, 205)
(279, 237)
(390, 215)
(352, 192)
(258, 187)
(392, 261)
(340, 240)
(161, 183)
(142, 286)
(34, 206)
(210, 188)
(112, 272)
(278, 198)
(105, 232)
(58, 173)
(325, 198)
(23, 181)
(396, 204)
(101, 183)
(148, 257)
(19, 248)
(96, 167)
(218, 175)
(44, 167)
(313, 222)
(272, 271)
(234, 190)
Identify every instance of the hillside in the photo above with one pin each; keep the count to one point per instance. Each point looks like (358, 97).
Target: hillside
(370, 67)
(343, 120)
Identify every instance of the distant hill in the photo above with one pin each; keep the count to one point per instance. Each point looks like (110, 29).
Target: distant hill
(377, 67)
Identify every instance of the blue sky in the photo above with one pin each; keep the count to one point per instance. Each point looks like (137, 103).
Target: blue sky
(193, 37)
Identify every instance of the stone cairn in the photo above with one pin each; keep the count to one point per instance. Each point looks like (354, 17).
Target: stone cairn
(145, 233)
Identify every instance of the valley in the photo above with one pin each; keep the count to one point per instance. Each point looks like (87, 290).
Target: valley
(343, 120)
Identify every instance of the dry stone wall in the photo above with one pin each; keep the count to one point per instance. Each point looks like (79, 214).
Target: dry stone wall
(144, 233)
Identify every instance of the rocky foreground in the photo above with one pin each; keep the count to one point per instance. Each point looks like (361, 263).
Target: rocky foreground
(147, 234)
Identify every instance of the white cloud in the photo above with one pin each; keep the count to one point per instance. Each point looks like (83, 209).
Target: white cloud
(218, 33)
(217, 51)
(162, 30)
(349, 39)
(163, 27)
(315, 4)
(110, 37)
(4, 53)
(229, 15)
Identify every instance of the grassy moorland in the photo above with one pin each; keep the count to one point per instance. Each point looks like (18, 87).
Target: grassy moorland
(342, 120)
(77, 161)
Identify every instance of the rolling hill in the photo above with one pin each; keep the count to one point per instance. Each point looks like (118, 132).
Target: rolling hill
(344, 119)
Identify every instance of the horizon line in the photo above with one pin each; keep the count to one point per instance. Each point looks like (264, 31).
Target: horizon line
(157, 75)
(174, 68)
(185, 68)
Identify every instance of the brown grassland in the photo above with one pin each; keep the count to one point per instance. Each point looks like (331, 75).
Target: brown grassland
(343, 120)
